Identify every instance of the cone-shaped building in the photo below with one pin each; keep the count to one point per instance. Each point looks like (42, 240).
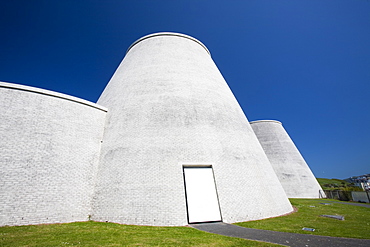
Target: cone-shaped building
(293, 172)
(168, 144)
(177, 147)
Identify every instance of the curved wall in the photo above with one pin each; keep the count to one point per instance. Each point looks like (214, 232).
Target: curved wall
(292, 170)
(49, 149)
(169, 106)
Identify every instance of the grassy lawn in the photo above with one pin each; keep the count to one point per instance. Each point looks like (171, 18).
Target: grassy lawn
(355, 225)
(110, 234)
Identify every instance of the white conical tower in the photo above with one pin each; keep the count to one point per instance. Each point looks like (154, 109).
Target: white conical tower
(177, 146)
(292, 170)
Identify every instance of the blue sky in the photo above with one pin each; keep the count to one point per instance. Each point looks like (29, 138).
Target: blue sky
(305, 63)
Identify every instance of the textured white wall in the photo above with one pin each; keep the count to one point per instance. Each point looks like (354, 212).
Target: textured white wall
(292, 170)
(49, 149)
(169, 106)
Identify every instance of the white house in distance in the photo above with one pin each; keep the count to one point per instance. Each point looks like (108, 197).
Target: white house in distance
(362, 181)
(167, 144)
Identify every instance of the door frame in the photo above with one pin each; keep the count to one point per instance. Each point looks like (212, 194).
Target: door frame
(184, 166)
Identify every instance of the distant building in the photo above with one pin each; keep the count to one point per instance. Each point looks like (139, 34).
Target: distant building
(292, 170)
(166, 144)
(362, 181)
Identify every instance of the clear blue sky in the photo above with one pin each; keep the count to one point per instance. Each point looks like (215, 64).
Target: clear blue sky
(305, 63)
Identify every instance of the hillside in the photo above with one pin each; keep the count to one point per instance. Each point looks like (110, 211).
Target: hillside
(337, 184)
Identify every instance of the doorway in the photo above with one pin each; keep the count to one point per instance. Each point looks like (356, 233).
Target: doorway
(201, 194)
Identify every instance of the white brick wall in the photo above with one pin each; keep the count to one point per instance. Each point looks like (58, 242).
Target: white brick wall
(49, 153)
(292, 170)
(170, 106)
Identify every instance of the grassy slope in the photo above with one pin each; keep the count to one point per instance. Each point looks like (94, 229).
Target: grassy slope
(337, 184)
(355, 225)
(110, 234)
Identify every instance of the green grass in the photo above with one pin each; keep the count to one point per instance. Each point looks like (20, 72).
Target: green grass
(355, 225)
(110, 234)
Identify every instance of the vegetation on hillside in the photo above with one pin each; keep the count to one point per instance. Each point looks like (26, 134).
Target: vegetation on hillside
(337, 184)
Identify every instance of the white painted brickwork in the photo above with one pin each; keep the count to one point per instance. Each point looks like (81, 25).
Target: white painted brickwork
(49, 153)
(292, 170)
(169, 106)
(63, 158)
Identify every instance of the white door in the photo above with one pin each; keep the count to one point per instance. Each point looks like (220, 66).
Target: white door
(201, 195)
